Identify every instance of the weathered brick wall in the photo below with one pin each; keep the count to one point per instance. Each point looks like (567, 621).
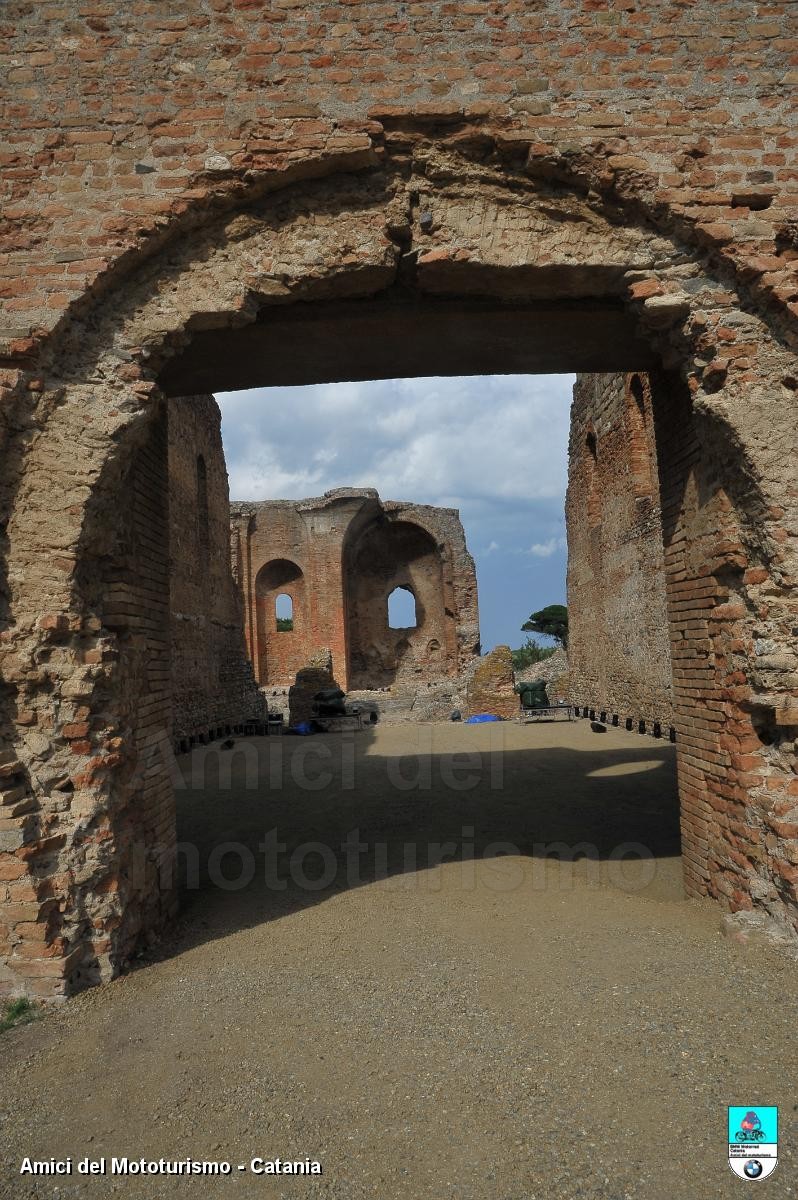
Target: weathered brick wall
(338, 557)
(422, 548)
(619, 655)
(117, 116)
(213, 686)
(82, 881)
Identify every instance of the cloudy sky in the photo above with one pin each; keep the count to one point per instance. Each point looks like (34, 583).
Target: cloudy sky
(494, 446)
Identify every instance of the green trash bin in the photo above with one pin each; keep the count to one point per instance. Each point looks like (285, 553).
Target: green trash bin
(533, 694)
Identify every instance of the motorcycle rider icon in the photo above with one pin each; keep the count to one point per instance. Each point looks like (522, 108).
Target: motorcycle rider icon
(750, 1128)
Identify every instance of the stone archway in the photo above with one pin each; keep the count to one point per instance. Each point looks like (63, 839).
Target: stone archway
(467, 265)
(389, 555)
(278, 654)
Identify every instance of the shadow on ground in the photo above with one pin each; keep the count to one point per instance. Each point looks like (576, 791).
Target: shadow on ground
(276, 825)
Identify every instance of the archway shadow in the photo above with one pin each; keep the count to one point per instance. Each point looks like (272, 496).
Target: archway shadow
(295, 822)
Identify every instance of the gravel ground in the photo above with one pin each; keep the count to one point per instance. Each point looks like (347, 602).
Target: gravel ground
(496, 1027)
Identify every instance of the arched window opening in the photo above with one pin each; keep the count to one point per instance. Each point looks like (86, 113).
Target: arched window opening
(284, 613)
(278, 611)
(203, 529)
(638, 436)
(593, 497)
(402, 609)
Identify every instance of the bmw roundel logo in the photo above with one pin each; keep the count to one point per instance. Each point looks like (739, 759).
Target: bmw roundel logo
(753, 1168)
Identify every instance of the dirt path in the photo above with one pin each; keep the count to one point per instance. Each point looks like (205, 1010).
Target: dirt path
(497, 1027)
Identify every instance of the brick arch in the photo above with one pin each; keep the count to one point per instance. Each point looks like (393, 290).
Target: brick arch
(279, 655)
(639, 425)
(591, 454)
(382, 557)
(202, 509)
(422, 259)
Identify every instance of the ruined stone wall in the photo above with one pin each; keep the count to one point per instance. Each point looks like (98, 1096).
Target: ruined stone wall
(338, 557)
(619, 654)
(212, 682)
(293, 548)
(82, 881)
(423, 549)
(490, 685)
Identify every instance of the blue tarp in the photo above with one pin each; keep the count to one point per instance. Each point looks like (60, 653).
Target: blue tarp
(481, 718)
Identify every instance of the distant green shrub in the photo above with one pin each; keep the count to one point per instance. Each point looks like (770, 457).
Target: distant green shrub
(530, 653)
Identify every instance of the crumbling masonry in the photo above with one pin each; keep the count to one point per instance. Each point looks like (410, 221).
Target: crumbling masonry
(213, 689)
(241, 195)
(619, 653)
(339, 558)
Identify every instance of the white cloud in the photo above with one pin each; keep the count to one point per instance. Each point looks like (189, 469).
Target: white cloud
(495, 436)
(543, 549)
(547, 548)
(493, 446)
